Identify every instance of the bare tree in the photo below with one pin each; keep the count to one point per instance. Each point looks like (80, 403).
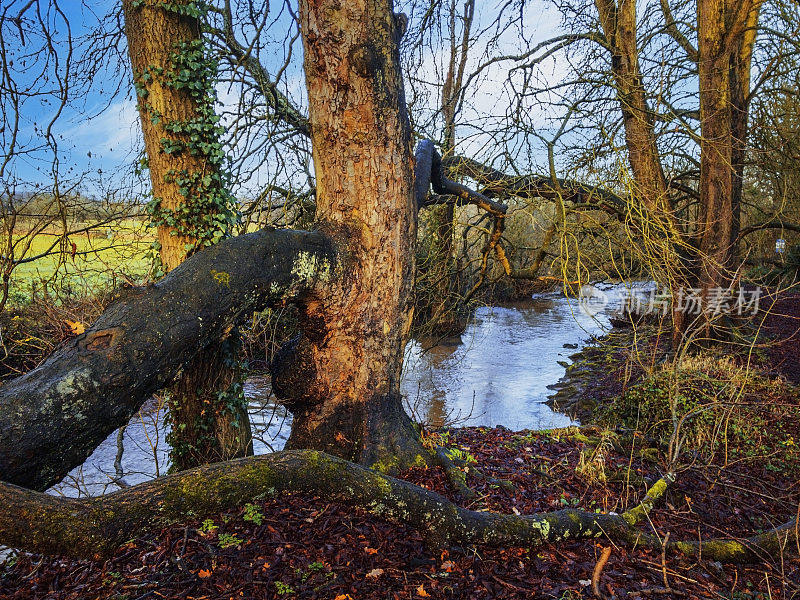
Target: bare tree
(45, 203)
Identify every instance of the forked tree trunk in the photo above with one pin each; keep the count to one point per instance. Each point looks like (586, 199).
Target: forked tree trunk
(342, 381)
(207, 410)
(726, 35)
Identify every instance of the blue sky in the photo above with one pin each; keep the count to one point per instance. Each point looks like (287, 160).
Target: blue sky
(98, 133)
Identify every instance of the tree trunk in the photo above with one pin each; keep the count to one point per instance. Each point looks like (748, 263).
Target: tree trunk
(192, 209)
(437, 290)
(95, 527)
(342, 380)
(740, 98)
(619, 24)
(53, 417)
(726, 35)
(717, 172)
(207, 409)
(618, 20)
(444, 306)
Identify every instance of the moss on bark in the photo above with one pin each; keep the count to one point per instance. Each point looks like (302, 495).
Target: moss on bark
(95, 527)
(54, 416)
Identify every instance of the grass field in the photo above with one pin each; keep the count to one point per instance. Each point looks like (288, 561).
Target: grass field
(88, 261)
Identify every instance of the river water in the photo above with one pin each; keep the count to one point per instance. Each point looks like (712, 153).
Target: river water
(495, 373)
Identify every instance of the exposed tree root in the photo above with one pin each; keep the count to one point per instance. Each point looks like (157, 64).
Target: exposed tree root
(782, 539)
(598, 571)
(94, 527)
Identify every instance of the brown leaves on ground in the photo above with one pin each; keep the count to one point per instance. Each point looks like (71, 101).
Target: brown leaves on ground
(306, 547)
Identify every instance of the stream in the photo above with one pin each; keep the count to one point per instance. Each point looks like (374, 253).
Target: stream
(495, 373)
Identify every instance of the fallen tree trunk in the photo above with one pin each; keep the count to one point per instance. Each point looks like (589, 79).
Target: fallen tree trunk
(496, 183)
(95, 527)
(53, 417)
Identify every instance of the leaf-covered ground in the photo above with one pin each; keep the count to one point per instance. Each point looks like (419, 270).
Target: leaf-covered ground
(295, 546)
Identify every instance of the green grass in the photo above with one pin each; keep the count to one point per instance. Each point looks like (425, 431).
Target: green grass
(107, 256)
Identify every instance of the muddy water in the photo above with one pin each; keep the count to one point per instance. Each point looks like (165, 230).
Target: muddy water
(496, 373)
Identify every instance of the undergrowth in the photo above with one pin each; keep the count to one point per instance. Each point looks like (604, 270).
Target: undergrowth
(710, 405)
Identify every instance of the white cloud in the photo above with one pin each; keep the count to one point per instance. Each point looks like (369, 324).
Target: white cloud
(115, 130)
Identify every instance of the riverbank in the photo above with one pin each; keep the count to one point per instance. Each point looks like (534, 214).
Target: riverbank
(604, 369)
(738, 473)
(296, 546)
(763, 350)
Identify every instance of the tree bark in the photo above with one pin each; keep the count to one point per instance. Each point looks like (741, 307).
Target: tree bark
(193, 208)
(94, 527)
(157, 32)
(705, 257)
(443, 307)
(438, 307)
(717, 172)
(207, 408)
(495, 183)
(342, 379)
(55, 416)
(618, 21)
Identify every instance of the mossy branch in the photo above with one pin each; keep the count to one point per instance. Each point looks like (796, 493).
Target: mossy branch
(653, 495)
(95, 527)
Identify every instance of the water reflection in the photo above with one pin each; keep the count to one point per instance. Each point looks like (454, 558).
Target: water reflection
(499, 372)
(495, 373)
